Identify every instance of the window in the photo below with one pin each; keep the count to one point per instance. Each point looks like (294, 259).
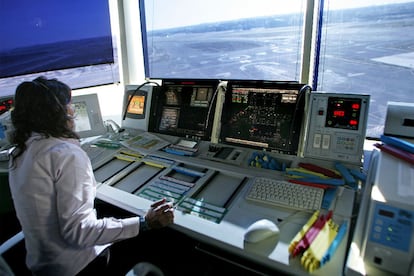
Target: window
(69, 40)
(367, 47)
(253, 40)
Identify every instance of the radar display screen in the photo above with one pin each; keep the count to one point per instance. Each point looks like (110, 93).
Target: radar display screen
(184, 108)
(266, 115)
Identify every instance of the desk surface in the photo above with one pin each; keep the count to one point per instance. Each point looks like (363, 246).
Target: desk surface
(228, 233)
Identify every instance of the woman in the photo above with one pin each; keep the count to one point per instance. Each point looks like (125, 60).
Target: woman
(53, 188)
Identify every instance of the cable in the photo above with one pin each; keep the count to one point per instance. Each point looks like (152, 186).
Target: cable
(301, 94)
(133, 94)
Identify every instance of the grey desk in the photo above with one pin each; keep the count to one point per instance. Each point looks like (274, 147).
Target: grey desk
(228, 234)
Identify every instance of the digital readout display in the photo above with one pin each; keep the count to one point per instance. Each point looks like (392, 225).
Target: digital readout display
(386, 213)
(343, 113)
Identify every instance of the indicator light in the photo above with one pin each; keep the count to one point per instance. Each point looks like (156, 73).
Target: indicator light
(355, 106)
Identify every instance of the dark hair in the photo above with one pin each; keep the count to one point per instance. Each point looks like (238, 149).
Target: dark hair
(40, 106)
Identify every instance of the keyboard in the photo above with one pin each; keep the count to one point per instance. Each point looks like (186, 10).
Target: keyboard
(285, 194)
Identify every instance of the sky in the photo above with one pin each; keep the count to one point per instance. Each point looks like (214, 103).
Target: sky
(30, 22)
(176, 13)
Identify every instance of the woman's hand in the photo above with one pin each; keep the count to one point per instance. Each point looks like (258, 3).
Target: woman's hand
(160, 214)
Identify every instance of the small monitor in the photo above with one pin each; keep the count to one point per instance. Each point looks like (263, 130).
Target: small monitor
(135, 102)
(184, 108)
(88, 117)
(263, 115)
(136, 106)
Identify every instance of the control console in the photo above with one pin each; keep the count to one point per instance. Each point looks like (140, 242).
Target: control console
(336, 126)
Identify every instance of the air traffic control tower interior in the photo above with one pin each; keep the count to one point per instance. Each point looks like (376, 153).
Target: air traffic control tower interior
(267, 177)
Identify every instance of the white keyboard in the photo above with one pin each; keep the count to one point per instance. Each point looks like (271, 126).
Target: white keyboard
(285, 194)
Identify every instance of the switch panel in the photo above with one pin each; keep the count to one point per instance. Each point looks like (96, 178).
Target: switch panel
(336, 126)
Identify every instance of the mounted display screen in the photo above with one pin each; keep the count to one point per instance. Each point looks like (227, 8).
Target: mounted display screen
(88, 117)
(184, 108)
(265, 115)
(135, 102)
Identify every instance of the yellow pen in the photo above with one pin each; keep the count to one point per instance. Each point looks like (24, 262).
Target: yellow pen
(126, 158)
(131, 153)
(301, 172)
(299, 236)
(149, 163)
(312, 257)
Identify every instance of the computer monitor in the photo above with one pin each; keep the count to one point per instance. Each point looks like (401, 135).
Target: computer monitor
(184, 108)
(136, 106)
(263, 115)
(88, 117)
(135, 103)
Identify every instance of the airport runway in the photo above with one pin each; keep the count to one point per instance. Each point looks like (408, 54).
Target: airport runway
(378, 62)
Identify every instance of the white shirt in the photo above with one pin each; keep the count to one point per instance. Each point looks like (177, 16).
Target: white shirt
(53, 189)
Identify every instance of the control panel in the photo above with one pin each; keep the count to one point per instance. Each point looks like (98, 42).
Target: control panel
(388, 240)
(336, 126)
(391, 227)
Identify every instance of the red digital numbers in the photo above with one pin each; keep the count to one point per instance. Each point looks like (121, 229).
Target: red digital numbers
(339, 113)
